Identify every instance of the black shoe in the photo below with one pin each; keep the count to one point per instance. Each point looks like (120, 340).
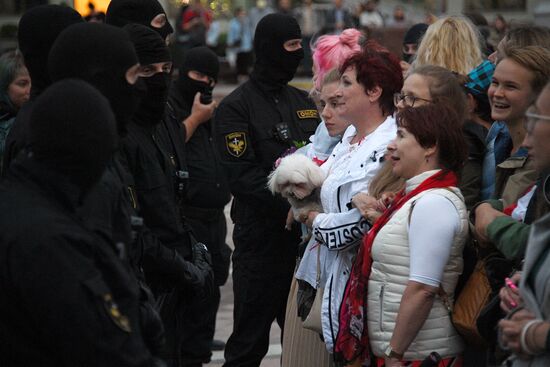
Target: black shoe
(217, 345)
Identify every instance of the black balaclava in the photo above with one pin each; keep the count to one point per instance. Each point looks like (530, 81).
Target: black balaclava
(150, 49)
(413, 36)
(203, 60)
(275, 66)
(122, 12)
(73, 131)
(99, 54)
(38, 29)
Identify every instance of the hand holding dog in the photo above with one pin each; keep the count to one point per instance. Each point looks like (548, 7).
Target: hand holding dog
(310, 218)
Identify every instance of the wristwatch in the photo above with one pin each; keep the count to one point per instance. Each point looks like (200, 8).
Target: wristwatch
(390, 353)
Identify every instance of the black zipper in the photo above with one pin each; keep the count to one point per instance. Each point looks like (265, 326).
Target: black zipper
(338, 199)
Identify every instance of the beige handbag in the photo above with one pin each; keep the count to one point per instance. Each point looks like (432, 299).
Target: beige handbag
(313, 319)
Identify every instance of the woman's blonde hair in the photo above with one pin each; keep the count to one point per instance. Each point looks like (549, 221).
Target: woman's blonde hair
(332, 76)
(453, 43)
(385, 181)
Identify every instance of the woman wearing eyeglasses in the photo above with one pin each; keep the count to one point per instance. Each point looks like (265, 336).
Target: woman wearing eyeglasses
(432, 84)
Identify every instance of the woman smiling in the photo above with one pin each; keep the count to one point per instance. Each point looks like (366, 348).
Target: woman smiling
(518, 79)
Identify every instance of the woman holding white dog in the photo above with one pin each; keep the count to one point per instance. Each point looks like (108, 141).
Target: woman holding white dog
(365, 98)
(303, 347)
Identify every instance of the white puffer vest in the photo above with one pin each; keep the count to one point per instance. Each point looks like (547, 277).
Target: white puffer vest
(390, 275)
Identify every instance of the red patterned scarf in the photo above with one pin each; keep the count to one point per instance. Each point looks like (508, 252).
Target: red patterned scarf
(352, 341)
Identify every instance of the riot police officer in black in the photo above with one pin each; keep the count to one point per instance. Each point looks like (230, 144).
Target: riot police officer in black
(37, 31)
(255, 125)
(104, 56)
(66, 297)
(153, 174)
(207, 190)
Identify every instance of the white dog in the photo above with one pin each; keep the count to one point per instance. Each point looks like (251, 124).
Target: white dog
(298, 180)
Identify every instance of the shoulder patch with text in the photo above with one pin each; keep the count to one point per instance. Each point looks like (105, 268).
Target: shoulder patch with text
(307, 114)
(236, 143)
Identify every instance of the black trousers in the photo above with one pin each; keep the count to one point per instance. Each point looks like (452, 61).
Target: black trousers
(199, 319)
(263, 264)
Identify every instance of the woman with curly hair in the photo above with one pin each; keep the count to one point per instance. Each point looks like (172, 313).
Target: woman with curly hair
(453, 43)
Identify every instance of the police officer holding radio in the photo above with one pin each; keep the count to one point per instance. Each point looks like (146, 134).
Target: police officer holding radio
(207, 191)
(255, 125)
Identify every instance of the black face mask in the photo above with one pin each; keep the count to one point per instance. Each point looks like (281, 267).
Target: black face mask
(122, 12)
(68, 141)
(123, 97)
(151, 108)
(101, 55)
(164, 31)
(278, 75)
(275, 66)
(290, 62)
(190, 87)
(38, 29)
(407, 57)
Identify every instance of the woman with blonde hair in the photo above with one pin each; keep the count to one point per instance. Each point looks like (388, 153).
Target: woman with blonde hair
(453, 43)
(303, 347)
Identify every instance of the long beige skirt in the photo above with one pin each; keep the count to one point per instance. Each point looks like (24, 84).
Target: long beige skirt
(301, 347)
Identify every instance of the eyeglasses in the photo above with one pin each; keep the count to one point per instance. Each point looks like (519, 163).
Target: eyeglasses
(408, 100)
(533, 117)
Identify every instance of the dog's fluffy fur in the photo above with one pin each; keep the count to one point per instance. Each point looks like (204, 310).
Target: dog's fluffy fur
(298, 180)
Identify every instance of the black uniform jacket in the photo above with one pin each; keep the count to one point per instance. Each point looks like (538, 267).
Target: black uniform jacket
(207, 187)
(249, 141)
(66, 298)
(153, 176)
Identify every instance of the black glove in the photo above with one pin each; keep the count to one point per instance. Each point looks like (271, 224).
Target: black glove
(203, 263)
(165, 268)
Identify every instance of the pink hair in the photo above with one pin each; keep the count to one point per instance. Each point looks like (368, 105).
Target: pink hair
(330, 51)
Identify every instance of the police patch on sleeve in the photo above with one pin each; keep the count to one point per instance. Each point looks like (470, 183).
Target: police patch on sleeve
(236, 143)
(114, 313)
(307, 114)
